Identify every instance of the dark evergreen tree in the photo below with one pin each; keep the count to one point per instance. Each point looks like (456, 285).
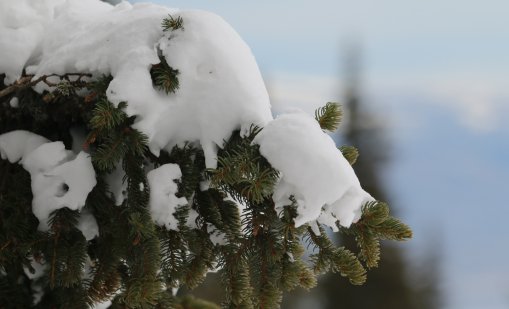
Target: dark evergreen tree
(135, 262)
(393, 284)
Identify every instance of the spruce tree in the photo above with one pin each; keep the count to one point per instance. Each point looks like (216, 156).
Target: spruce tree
(393, 284)
(225, 217)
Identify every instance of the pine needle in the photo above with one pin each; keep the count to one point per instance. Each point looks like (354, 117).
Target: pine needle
(329, 116)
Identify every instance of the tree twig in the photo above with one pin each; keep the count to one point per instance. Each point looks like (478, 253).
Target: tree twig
(26, 82)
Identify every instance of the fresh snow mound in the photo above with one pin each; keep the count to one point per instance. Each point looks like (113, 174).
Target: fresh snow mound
(313, 171)
(15, 145)
(221, 88)
(163, 201)
(59, 177)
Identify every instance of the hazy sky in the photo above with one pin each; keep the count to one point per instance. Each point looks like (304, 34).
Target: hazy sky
(453, 51)
(438, 73)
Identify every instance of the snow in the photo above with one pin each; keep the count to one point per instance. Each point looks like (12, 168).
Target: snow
(217, 237)
(39, 269)
(59, 178)
(219, 78)
(103, 305)
(88, 225)
(191, 219)
(313, 171)
(163, 203)
(14, 102)
(15, 145)
(221, 90)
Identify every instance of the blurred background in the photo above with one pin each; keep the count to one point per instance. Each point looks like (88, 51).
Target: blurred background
(425, 89)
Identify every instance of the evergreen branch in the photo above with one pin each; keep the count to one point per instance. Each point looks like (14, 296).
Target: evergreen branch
(110, 152)
(350, 153)
(369, 246)
(65, 88)
(242, 171)
(393, 229)
(164, 77)
(376, 224)
(106, 116)
(200, 259)
(376, 219)
(173, 255)
(191, 161)
(54, 260)
(190, 302)
(26, 81)
(330, 258)
(235, 276)
(172, 23)
(329, 116)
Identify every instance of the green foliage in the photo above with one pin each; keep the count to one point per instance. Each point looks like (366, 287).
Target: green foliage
(106, 117)
(350, 153)
(65, 88)
(376, 225)
(189, 302)
(331, 258)
(242, 171)
(230, 222)
(329, 116)
(171, 23)
(164, 77)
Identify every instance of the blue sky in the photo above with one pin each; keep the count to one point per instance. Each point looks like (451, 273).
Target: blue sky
(438, 73)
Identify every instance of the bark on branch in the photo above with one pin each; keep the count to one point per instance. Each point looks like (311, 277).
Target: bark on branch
(26, 81)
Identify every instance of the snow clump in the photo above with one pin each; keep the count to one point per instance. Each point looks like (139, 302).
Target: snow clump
(221, 90)
(219, 78)
(163, 203)
(313, 171)
(59, 177)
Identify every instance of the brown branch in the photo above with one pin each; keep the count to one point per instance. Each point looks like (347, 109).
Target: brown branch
(53, 260)
(26, 81)
(6, 245)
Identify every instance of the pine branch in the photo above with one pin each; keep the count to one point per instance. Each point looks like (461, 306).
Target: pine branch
(106, 116)
(376, 224)
(26, 81)
(164, 77)
(329, 116)
(242, 171)
(330, 258)
(171, 23)
(110, 152)
(350, 153)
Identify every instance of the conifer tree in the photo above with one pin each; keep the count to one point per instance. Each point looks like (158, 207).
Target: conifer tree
(225, 216)
(394, 284)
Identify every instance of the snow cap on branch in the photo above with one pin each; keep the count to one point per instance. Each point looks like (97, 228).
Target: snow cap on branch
(220, 85)
(163, 202)
(313, 171)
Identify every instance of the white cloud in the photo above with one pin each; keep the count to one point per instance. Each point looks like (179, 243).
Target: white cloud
(481, 103)
(307, 92)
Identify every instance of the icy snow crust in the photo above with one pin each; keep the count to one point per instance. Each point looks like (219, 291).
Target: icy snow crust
(221, 90)
(313, 171)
